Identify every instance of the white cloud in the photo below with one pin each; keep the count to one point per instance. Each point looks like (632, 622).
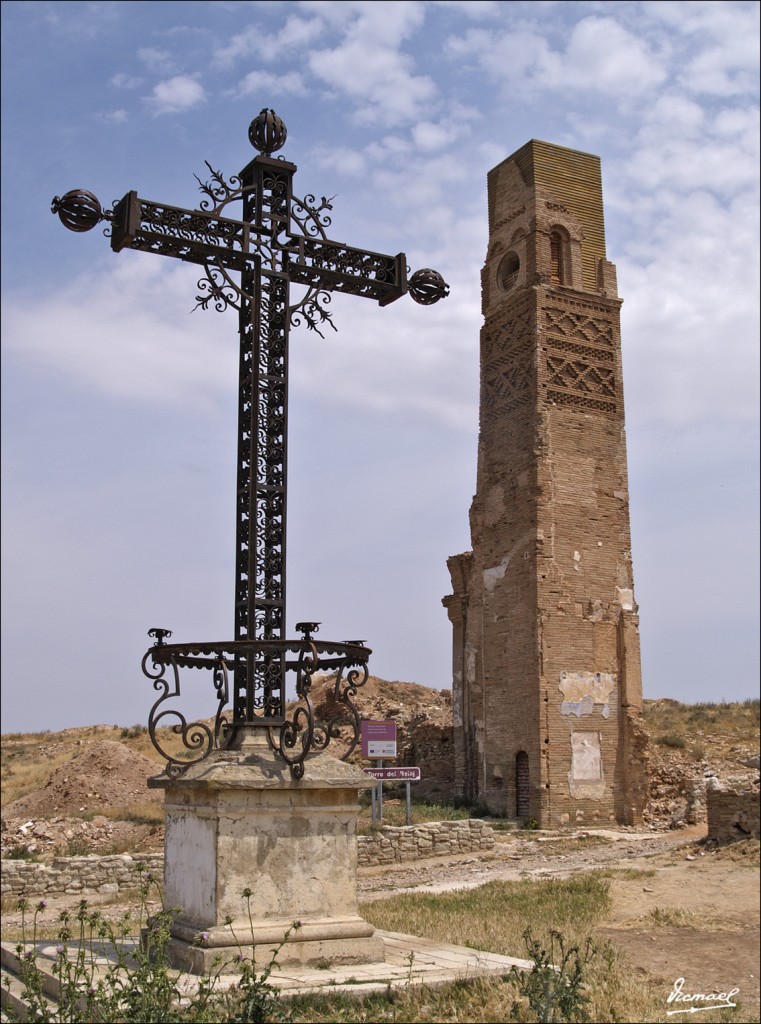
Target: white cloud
(370, 66)
(726, 69)
(601, 56)
(253, 41)
(113, 117)
(476, 9)
(429, 136)
(403, 359)
(696, 352)
(604, 56)
(350, 162)
(127, 331)
(124, 81)
(680, 146)
(159, 61)
(176, 95)
(267, 83)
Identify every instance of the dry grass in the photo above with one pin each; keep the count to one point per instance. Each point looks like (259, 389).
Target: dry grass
(678, 917)
(139, 814)
(673, 724)
(626, 874)
(27, 760)
(494, 917)
(395, 813)
(24, 770)
(746, 852)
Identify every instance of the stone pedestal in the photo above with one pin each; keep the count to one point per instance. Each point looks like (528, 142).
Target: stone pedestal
(237, 821)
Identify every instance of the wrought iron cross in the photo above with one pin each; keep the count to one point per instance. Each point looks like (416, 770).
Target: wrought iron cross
(279, 241)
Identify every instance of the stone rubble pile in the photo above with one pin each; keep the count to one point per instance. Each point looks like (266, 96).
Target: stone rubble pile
(67, 835)
(678, 785)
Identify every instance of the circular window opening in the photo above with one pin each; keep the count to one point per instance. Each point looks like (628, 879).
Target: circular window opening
(507, 274)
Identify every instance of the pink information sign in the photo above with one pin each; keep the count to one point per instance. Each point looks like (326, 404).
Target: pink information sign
(378, 739)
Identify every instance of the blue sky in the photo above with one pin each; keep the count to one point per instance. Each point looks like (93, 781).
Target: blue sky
(119, 402)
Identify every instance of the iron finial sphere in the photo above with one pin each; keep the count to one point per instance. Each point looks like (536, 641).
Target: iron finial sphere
(78, 210)
(427, 286)
(267, 132)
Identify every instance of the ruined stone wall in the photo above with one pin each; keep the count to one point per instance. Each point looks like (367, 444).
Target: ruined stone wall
(397, 844)
(79, 876)
(85, 876)
(732, 808)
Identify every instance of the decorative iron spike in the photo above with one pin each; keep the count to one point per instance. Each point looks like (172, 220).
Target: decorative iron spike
(159, 634)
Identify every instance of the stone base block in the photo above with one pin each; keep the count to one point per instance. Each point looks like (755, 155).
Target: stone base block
(335, 942)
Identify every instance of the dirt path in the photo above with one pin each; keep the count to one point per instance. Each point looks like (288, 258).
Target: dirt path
(554, 856)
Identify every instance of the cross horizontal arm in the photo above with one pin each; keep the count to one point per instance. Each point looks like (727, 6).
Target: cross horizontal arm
(342, 268)
(195, 236)
(190, 235)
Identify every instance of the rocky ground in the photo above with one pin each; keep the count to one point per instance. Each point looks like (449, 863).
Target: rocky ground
(95, 798)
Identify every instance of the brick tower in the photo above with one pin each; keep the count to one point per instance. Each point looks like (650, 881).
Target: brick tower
(547, 688)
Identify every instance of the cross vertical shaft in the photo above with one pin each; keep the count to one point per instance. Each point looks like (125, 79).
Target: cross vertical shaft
(260, 586)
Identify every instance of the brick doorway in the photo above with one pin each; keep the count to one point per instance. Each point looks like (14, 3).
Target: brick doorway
(522, 791)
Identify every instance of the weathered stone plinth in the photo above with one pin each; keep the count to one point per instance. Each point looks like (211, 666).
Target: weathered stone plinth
(240, 821)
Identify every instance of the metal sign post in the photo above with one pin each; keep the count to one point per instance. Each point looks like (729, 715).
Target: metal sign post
(406, 775)
(378, 741)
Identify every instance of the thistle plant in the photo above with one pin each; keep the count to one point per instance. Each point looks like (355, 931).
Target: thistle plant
(555, 987)
(120, 973)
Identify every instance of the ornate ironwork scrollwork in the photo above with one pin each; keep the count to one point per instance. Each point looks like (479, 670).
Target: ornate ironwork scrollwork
(293, 733)
(216, 287)
(218, 190)
(310, 217)
(197, 737)
(311, 311)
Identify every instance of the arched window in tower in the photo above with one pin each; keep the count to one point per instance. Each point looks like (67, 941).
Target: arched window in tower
(558, 266)
(507, 271)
